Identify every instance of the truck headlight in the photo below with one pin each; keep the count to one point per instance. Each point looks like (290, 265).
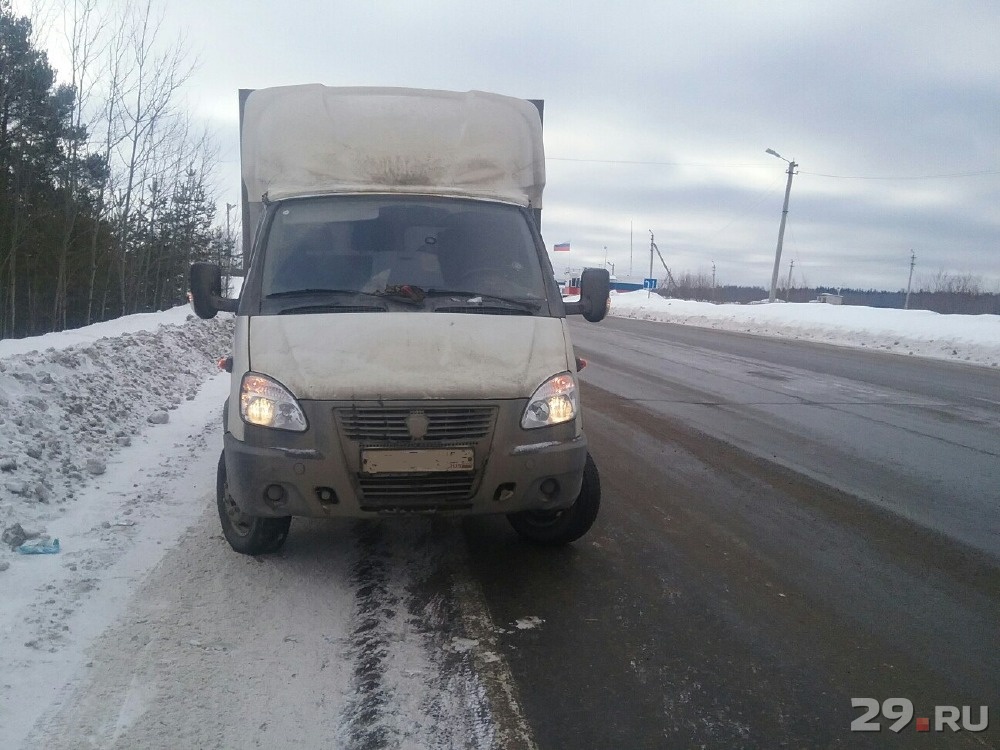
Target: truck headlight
(267, 403)
(555, 401)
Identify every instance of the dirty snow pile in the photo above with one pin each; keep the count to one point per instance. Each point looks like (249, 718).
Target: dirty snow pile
(974, 339)
(70, 401)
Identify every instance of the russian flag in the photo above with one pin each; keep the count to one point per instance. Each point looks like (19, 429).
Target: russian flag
(562, 247)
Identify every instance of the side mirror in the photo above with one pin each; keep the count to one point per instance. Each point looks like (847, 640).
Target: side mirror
(206, 291)
(595, 295)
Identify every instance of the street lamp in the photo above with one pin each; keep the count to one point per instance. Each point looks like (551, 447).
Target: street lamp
(784, 216)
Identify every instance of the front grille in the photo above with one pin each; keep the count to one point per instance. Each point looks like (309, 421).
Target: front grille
(416, 492)
(389, 424)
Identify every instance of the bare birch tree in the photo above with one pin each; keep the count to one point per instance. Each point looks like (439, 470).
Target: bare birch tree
(83, 28)
(104, 190)
(149, 99)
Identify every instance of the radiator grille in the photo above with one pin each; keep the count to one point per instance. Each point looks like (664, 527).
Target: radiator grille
(392, 424)
(432, 491)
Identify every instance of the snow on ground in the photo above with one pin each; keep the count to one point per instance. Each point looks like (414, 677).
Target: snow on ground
(106, 430)
(142, 322)
(974, 339)
(67, 409)
(86, 417)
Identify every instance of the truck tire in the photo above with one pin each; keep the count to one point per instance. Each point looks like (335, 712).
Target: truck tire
(556, 527)
(248, 535)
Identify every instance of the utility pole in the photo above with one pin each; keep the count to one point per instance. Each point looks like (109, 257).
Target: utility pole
(913, 262)
(784, 216)
(630, 248)
(670, 277)
(612, 264)
(651, 246)
(713, 281)
(788, 287)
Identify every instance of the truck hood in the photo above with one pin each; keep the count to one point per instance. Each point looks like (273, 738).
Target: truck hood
(395, 356)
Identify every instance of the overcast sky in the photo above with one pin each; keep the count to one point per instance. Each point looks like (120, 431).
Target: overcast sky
(657, 116)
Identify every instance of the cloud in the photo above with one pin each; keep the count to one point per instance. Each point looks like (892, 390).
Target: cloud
(698, 91)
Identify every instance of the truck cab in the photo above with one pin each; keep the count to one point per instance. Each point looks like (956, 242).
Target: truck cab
(400, 340)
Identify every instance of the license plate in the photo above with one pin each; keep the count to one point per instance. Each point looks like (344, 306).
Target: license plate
(409, 461)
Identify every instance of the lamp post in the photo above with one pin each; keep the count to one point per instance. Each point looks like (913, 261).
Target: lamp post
(784, 216)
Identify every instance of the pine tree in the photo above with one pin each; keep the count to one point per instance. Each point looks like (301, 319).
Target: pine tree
(36, 137)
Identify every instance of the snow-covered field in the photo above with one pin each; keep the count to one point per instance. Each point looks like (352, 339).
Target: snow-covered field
(974, 339)
(105, 430)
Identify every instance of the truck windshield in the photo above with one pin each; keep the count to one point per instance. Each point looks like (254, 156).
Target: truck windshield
(376, 245)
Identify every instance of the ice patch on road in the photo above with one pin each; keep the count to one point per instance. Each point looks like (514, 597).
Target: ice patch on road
(462, 645)
(527, 623)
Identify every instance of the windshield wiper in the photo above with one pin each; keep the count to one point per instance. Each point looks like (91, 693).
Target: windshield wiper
(408, 294)
(469, 296)
(311, 291)
(291, 293)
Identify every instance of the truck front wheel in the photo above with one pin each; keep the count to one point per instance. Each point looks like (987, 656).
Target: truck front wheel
(555, 527)
(248, 535)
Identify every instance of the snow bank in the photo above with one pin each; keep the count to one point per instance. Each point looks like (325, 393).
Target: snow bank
(974, 339)
(70, 401)
(89, 334)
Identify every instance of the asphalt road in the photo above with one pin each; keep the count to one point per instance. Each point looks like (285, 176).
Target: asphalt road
(917, 437)
(784, 527)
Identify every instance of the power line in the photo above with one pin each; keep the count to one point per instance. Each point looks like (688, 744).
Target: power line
(650, 163)
(764, 195)
(918, 177)
(717, 165)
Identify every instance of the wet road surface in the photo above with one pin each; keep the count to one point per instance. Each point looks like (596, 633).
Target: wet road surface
(736, 590)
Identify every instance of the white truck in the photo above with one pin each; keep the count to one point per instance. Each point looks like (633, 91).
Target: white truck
(400, 341)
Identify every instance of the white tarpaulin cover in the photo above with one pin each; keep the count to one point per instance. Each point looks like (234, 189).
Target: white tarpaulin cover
(313, 139)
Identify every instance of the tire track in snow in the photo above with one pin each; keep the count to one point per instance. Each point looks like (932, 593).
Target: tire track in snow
(370, 641)
(427, 671)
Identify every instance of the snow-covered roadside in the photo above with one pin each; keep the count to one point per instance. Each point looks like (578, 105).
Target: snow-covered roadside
(145, 630)
(93, 428)
(138, 323)
(117, 530)
(67, 411)
(972, 339)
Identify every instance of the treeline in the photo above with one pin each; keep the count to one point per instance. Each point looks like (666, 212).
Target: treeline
(104, 198)
(942, 293)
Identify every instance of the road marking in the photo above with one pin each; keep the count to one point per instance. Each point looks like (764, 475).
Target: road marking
(512, 730)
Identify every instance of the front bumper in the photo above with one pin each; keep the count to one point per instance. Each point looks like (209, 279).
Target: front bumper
(319, 472)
